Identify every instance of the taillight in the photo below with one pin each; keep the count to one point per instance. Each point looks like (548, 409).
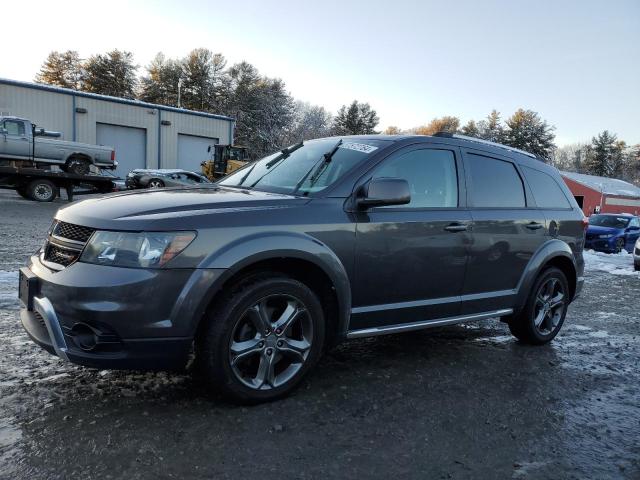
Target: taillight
(585, 223)
(113, 155)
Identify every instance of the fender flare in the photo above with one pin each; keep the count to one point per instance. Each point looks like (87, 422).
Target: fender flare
(549, 250)
(260, 246)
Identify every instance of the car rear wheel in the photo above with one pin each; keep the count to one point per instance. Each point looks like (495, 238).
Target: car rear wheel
(260, 341)
(77, 166)
(545, 310)
(155, 183)
(42, 190)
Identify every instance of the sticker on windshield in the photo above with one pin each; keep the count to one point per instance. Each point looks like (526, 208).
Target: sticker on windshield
(358, 147)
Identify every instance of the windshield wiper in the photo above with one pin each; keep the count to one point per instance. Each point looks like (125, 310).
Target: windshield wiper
(317, 169)
(284, 153)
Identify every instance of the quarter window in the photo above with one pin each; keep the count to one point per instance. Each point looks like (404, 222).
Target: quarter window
(495, 183)
(546, 190)
(431, 174)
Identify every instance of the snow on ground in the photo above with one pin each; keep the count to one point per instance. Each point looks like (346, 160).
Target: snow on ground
(8, 289)
(613, 263)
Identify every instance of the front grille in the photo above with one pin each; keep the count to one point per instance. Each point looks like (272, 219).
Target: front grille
(61, 256)
(65, 244)
(73, 232)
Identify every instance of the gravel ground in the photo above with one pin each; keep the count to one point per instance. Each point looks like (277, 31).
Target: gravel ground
(457, 402)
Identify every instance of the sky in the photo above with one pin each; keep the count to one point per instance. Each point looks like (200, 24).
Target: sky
(577, 63)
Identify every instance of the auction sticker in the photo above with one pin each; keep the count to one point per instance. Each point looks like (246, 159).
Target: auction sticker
(358, 147)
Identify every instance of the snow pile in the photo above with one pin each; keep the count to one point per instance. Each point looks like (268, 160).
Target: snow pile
(613, 263)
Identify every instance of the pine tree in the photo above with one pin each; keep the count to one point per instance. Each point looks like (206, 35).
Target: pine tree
(527, 131)
(112, 73)
(204, 80)
(471, 129)
(605, 156)
(356, 119)
(160, 85)
(62, 69)
(491, 128)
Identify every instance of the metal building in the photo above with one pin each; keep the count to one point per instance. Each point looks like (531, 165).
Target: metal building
(144, 135)
(603, 195)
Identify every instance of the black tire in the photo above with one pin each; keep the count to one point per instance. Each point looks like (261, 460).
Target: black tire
(155, 183)
(42, 190)
(77, 166)
(524, 325)
(221, 327)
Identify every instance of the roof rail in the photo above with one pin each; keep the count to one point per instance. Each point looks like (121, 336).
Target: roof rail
(485, 142)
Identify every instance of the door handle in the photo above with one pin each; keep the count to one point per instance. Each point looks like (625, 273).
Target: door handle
(456, 227)
(534, 226)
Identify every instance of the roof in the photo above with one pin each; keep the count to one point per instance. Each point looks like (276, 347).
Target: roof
(107, 98)
(609, 186)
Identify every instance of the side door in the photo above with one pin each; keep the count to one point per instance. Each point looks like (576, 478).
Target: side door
(410, 259)
(508, 229)
(15, 143)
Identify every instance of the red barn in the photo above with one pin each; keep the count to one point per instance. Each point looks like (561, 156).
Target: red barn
(603, 195)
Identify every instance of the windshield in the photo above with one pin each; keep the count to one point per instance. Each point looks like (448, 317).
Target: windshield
(304, 169)
(611, 221)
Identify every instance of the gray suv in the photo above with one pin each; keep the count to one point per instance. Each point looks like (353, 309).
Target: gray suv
(326, 240)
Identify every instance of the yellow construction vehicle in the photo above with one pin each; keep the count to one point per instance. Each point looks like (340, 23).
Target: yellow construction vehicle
(224, 160)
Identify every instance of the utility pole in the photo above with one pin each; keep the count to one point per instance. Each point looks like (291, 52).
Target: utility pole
(179, 92)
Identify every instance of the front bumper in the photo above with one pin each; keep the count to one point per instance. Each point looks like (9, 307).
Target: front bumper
(604, 245)
(108, 317)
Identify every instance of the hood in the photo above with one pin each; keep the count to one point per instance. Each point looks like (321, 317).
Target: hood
(597, 230)
(171, 209)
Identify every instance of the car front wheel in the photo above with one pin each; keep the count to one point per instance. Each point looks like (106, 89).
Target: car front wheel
(259, 341)
(545, 310)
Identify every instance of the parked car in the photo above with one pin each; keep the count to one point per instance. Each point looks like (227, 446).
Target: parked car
(327, 240)
(636, 255)
(160, 178)
(612, 233)
(21, 141)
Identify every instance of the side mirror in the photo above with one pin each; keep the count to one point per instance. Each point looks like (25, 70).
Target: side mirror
(380, 192)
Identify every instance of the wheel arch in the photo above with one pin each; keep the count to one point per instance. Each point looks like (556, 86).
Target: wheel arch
(554, 253)
(297, 255)
(79, 155)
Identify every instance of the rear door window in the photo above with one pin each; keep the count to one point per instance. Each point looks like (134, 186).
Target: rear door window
(14, 128)
(546, 191)
(494, 183)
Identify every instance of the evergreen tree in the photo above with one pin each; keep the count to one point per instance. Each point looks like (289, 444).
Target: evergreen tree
(491, 128)
(204, 80)
(355, 119)
(605, 155)
(527, 131)
(471, 129)
(62, 69)
(160, 85)
(113, 73)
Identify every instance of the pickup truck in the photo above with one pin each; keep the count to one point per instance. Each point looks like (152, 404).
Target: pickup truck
(21, 141)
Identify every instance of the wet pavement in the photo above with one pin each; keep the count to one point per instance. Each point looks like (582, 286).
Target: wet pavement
(459, 402)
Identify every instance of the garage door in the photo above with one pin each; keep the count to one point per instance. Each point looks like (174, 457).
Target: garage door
(192, 151)
(130, 144)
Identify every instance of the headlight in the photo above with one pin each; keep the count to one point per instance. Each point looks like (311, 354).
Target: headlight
(608, 235)
(141, 250)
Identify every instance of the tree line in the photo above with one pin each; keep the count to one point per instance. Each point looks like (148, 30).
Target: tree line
(267, 116)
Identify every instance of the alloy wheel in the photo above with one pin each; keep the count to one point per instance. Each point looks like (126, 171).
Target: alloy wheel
(549, 306)
(271, 342)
